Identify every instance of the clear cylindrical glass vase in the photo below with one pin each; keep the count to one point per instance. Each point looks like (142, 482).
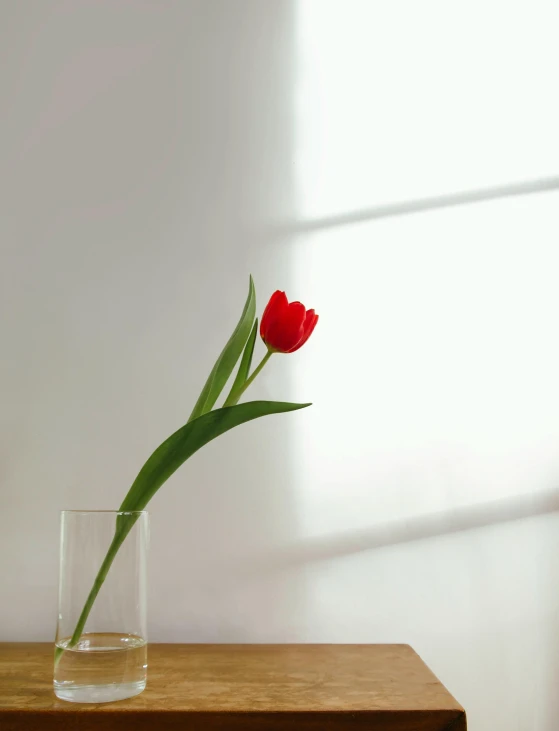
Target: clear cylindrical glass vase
(101, 637)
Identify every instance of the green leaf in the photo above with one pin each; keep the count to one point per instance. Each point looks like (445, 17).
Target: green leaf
(244, 368)
(174, 451)
(229, 356)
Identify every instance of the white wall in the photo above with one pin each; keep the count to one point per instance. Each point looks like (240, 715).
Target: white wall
(153, 153)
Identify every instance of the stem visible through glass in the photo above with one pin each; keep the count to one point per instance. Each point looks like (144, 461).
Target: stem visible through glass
(120, 534)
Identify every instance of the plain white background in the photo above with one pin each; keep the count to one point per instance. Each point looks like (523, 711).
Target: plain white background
(392, 165)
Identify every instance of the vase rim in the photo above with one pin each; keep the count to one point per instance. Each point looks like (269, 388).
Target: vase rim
(115, 512)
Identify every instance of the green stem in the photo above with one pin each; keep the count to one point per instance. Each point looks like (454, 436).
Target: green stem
(251, 378)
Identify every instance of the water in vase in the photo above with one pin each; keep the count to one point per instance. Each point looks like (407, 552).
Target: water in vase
(101, 667)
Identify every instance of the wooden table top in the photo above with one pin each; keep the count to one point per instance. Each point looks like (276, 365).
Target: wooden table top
(241, 687)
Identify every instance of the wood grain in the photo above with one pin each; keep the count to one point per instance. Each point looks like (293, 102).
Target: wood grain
(234, 687)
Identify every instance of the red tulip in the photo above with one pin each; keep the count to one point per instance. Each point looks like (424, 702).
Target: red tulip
(285, 326)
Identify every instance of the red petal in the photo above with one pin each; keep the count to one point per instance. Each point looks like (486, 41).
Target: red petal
(309, 325)
(274, 311)
(284, 333)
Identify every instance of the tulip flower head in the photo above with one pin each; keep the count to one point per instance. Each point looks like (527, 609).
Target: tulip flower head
(286, 326)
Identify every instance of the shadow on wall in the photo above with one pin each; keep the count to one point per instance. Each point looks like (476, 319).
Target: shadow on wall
(529, 187)
(329, 547)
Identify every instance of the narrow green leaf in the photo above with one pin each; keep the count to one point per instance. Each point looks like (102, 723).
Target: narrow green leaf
(174, 451)
(166, 459)
(244, 368)
(229, 356)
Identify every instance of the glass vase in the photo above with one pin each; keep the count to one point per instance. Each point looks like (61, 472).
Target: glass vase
(101, 637)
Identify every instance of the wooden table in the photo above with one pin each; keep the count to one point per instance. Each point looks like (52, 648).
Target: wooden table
(241, 688)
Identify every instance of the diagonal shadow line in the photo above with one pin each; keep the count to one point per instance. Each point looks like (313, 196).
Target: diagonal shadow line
(325, 548)
(540, 185)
